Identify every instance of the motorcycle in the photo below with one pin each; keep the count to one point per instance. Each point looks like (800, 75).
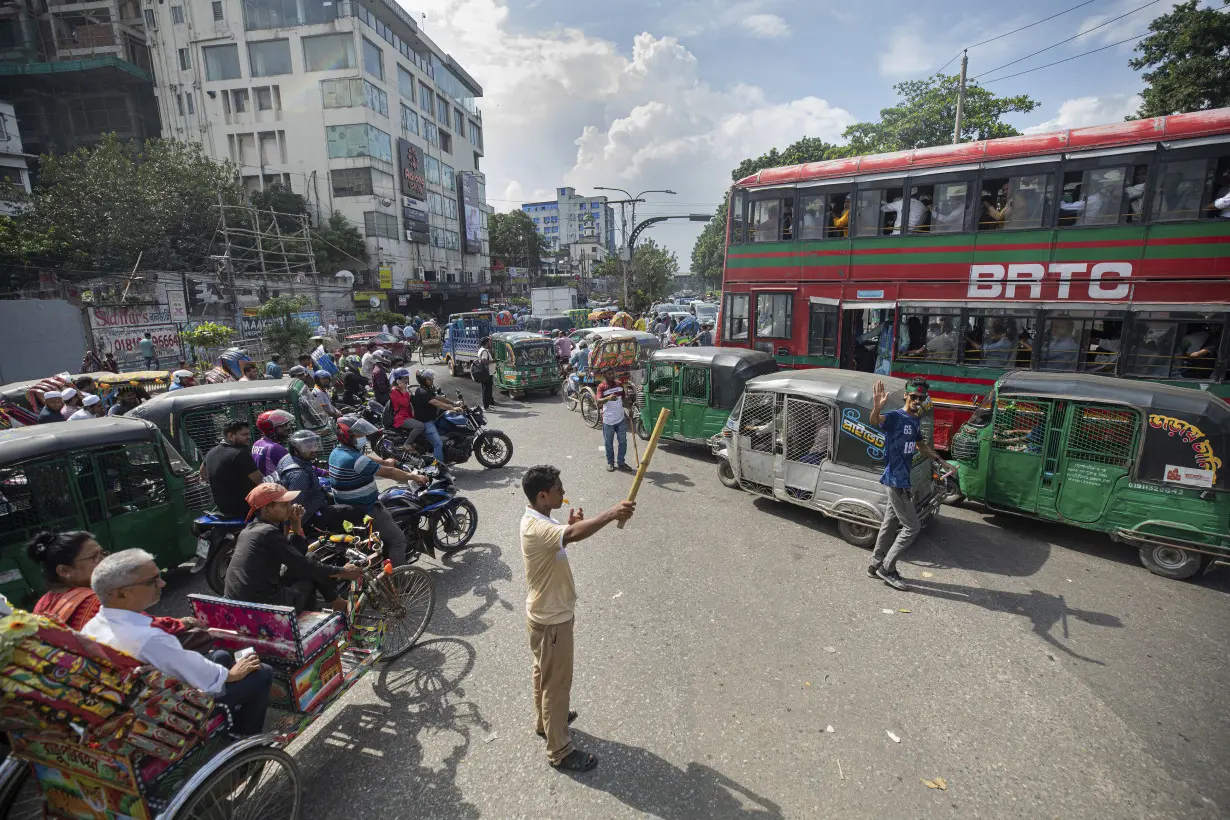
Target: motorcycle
(215, 544)
(465, 434)
(433, 517)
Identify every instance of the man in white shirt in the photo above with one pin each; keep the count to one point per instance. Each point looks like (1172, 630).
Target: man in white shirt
(368, 362)
(333, 329)
(917, 210)
(91, 408)
(129, 582)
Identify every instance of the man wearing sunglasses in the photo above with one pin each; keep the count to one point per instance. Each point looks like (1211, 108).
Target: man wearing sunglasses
(129, 582)
(902, 437)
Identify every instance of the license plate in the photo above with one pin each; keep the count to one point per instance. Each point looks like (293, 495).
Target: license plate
(202, 548)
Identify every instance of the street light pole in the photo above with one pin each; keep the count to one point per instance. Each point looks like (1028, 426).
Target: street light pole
(630, 271)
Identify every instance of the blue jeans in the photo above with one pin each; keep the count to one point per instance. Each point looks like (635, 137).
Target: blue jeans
(609, 432)
(248, 698)
(433, 437)
(151, 362)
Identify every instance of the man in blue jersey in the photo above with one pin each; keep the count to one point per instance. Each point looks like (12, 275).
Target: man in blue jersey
(354, 475)
(902, 437)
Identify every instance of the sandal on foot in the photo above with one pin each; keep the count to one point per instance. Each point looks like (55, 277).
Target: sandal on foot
(572, 715)
(576, 761)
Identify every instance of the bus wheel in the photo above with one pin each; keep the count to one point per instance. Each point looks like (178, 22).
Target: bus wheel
(1171, 562)
(860, 535)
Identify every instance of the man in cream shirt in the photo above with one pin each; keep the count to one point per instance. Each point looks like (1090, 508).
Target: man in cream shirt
(551, 604)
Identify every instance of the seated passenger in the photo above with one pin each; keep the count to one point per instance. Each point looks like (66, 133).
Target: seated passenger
(129, 582)
(841, 224)
(67, 560)
(1198, 350)
(1061, 351)
(264, 548)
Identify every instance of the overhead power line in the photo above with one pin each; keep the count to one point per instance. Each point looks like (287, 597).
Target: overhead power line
(1068, 40)
(1067, 59)
(1015, 30)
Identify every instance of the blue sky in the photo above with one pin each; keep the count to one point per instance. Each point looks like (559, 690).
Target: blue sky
(645, 94)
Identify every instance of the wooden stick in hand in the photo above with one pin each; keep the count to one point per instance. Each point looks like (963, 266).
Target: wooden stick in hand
(649, 449)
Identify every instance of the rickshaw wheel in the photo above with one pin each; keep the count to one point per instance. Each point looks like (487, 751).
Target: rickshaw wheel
(21, 797)
(860, 535)
(1171, 562)
(404, 600)
(262, 782)
(570, 399)
(589, 409)
(422, 356)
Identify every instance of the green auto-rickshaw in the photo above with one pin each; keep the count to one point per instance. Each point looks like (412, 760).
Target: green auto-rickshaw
(524, 362)
(700, 386)
(1141, 462)
(193, 417)
(116, 477)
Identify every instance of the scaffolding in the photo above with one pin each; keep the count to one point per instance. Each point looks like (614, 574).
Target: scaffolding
(262, 241)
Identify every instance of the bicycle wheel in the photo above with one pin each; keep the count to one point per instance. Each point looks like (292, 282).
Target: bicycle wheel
(570, 397)
(589, 409)
(261, 783)
(402, 603)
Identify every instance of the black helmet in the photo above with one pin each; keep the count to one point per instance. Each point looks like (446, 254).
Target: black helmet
(424, 375)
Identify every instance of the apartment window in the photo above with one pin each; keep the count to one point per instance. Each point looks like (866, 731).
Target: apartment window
(185, 59)
(380, 224)
(446, 142)
(351, 181)
(435, 203)
(442, 110)
(150, 21)
(409, 120)
(270, 152)
(264, 98)
(375, 98)
(405, 83)
(328, 52)
(373, 59)
(177, 14)
(383, 184)
(239, 100)
(269, 58)
(342, 93)
(432, 166)
(425, 97)
(179, 103)
(450, 207)
(448, 178)
(360, 140)
(190, 105)
(264, 14)
(459, 119)
(221, 62)
(474, 141)
(431, 133)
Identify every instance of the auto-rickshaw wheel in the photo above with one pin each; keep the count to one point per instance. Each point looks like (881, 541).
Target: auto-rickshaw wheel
(644, 433)
(726, 473)
(951, 492)
(262, 782)
(860, 535)
(1171, 562)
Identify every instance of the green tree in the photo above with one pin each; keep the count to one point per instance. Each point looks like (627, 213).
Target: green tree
(338, 245)
(926, 113)
(515, 240)
(284, 333)
(24, 250)
(1188, 61)
(808, 149)
(654, 269)
(119, 199)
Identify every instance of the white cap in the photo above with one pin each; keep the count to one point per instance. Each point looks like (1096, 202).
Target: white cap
(182, 374)
(52, 394)
(68, 393)
(90, 400)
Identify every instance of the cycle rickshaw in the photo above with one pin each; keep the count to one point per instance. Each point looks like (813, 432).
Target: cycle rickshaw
(431, 343)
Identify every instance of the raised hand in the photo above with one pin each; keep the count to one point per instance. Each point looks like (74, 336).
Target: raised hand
(879, 394)
(576, 515)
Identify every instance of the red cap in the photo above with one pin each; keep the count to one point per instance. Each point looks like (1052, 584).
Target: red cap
(267, 493)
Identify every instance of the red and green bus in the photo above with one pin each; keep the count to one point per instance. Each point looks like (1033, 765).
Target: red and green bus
(1099, 250)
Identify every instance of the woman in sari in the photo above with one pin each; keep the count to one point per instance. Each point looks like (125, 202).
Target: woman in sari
(68, 560)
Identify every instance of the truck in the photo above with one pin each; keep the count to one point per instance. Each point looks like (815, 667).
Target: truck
(552, 301)
(462, 333)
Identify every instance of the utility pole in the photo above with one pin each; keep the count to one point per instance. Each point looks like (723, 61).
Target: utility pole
(956, 132)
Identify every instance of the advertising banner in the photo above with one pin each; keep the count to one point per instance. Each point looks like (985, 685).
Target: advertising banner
(386, 278)
(471, 220)
(410, 166)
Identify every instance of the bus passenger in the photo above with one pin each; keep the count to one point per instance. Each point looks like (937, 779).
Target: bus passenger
(914, 339)
(917, 210)
(999, 346)
(989, 217)
(841, 224)
(1197, 351)
(1221, 202)
(1136, 192)
(1061, 350)
(949, 216)
(942, 344)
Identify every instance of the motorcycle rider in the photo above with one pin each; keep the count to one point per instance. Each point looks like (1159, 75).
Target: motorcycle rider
(354, 385)
(269, 450)
(354, 475)
(403, 407)
(320, 394)
(298, 471)
(380, 376)
(428, 404)
(181, 379)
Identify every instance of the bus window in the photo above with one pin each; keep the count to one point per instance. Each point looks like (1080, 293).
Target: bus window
(1220, 206)
(1180, 189)
(1080, 342)
(1092, 197)
(946, 205)
(773, 315)
(1182, 346)
(764, 220)
(822, 330)
(1150, 349)
(787, 220)
(879, 210)
(735, 317)
(736, 218)
(999, 338)
(929, 335)
(1014, 202)
(825, 216)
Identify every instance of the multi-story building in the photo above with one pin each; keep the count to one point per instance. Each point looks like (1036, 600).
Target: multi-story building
(350, 104)
(77, 69)
(571, 218)
(13, 168)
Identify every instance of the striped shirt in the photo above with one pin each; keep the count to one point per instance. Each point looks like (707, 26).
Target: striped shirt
(354, 477)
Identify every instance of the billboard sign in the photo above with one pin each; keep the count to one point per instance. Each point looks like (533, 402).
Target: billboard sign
(410, 166)
(471, 221)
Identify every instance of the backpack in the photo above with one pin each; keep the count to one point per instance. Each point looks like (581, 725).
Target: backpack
(478, 370)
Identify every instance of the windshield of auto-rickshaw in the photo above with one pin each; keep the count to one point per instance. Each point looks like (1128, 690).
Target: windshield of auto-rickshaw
(178, 465)
(533, 354)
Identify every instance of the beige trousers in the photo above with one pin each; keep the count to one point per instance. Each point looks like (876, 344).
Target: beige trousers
(552, 650)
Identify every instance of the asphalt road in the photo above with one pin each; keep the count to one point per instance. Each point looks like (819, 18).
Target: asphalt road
(1039, 670)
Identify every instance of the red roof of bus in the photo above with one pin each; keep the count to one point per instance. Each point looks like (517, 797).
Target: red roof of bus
(1177, 126)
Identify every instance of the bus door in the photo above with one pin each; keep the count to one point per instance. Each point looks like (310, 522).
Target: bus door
(862, 336)
(1023, 431)
(1098, 447)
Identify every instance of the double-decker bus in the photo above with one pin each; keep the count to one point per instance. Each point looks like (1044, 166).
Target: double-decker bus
(1099, 250)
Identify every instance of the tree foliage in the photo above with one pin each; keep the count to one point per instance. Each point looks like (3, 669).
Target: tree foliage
(515, 240)
(653, 272)
(1188, 60)
(284, 333)
(808, 149)
(100, 207)
(338, 245)
(927, 112)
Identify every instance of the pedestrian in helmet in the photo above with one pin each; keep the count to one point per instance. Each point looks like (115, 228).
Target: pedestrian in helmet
(275, 427)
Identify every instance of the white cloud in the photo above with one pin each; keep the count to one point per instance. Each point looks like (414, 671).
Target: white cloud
(1119, 29)
(910, 53)
(1084, 111)
(766, 26)
(565, 108)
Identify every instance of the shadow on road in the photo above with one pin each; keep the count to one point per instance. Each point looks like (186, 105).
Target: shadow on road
(1044, 610)
(675, 482)
(467, 583)
(506, 476)
(649, 784)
